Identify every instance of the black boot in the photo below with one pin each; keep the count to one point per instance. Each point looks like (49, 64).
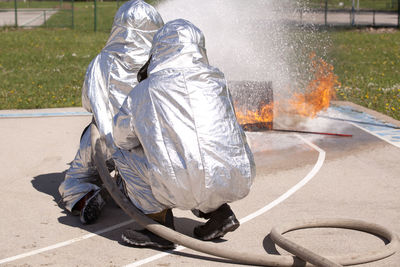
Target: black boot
(145, 238)
(221, 221)
(92, 208)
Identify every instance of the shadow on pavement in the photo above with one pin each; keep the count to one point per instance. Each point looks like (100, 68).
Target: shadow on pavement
(269, 246)
(111, 214)
(48, 184)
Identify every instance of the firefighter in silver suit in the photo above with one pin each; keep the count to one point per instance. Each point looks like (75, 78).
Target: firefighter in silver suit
(109, 78)
(179, 142)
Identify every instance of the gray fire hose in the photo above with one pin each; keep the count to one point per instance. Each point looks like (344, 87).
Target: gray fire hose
(304, 257)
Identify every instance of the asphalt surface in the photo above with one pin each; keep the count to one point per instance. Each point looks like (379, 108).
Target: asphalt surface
(298, 177)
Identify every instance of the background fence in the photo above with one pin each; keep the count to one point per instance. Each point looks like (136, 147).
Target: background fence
(95, 15)
(81, 15)
(28, 13)
(374, 13)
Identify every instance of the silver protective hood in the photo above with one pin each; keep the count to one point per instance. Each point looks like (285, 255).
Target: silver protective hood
(113, 73)
(109, 78)
(183, 117)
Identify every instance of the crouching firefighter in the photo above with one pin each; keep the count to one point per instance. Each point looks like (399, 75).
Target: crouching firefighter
(109, 78)
(179, 143)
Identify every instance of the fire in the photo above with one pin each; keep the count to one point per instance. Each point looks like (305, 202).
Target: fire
(259, 119)
(318, 93)
(263, 114)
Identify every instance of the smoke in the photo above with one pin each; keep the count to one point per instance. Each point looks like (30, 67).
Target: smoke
(254, 40)
(246, 41)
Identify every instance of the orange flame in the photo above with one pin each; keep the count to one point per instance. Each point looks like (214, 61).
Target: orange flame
(263, 114)
(319, 91)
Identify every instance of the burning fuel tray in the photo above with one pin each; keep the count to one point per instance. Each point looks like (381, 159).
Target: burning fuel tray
(256, 98)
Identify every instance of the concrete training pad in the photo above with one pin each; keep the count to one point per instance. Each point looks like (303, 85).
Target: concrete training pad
(358, 178)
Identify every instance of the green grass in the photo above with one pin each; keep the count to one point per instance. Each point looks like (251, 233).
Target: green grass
(45, 68)
(84, 16)
(42, 68)
(368, 67)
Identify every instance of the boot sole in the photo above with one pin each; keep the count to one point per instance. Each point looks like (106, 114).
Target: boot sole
(230, 227)
(145, 244)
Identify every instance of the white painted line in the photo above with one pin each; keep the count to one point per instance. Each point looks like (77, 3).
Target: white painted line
(374, 134)
(155, 257)
(310, 175)
(287, 194)
(291, 191)
(65, 243)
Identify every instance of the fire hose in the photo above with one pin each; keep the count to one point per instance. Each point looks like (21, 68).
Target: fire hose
(303, 256)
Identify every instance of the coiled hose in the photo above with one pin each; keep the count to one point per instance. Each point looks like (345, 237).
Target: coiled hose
(303, 256)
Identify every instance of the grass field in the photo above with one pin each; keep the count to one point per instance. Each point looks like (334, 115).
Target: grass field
(368, 66)
(45, 68)
(41, 68)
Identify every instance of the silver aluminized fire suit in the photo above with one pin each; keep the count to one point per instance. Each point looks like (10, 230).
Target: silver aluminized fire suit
(109, 78)
(180, 143)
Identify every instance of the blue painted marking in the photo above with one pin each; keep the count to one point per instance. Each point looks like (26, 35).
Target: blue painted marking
(387, 131)
(49, 114)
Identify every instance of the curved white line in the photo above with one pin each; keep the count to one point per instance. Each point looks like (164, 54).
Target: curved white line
(287, 194)
(65, 243)
(291, 191)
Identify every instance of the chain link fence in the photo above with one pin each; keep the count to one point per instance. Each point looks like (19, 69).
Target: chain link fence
(91, 15)
(28, 13)
(353, 13)
(95, 15)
